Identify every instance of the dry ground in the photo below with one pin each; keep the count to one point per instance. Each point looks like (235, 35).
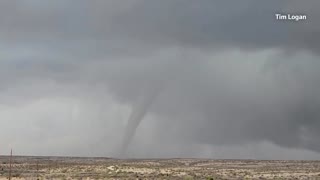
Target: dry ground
(104, 168)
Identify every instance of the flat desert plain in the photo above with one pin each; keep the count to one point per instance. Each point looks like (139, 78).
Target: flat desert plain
(24, 167)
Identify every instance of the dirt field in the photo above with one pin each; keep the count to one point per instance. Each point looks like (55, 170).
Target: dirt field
(104, 168)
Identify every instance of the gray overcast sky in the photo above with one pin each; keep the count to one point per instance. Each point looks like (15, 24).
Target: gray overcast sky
(209, 78)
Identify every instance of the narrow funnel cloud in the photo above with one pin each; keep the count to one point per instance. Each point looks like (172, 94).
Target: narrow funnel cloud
(139, 110)
(148, 95)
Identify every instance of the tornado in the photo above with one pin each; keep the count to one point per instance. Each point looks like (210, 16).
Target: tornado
(148, 95)
(139, 111)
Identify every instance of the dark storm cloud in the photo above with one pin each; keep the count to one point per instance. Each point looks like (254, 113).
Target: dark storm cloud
(207, 92)
(117, 26)
(236, 106)
(208, 23)
(245, 24)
